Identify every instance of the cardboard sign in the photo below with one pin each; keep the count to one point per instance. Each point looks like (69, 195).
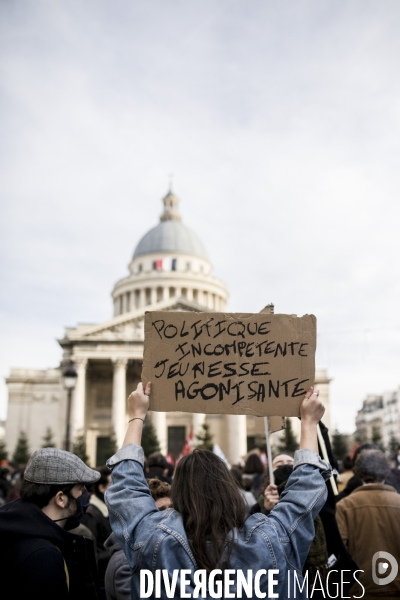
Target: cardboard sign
(229, 363)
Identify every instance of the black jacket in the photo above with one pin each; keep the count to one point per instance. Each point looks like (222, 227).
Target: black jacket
(118, 574)
(334, 542)
(41, 559)
(101, 529)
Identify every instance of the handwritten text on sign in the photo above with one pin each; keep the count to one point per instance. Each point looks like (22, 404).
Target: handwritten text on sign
(258, 364)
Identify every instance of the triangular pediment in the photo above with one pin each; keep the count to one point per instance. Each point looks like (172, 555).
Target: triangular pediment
(129, 326)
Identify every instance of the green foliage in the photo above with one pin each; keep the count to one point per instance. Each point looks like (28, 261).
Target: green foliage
(150, 441)
(393, 445)
(108, 450)
(288, 442)
(21, 453)
(80, 448)
(205, 438)
(377, 437)
(340, 447)
(47, 439)
(360, 436)
(3, 451)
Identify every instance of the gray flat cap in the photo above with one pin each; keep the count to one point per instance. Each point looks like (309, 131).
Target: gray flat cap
(53, 466)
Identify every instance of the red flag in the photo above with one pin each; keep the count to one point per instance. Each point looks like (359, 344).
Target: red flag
(263, 457)
(188, 445)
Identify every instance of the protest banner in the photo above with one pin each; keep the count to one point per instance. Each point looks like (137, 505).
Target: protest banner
(229, 363)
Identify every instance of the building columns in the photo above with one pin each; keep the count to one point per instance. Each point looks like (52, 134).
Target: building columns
(79, 400)
(91, 446)
(118, 412)
(197, 421)
(159, 420)
(236, 437)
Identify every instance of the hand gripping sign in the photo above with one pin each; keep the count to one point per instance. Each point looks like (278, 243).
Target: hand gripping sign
(229, 363)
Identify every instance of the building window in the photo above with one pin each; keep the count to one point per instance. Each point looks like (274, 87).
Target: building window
(188, 266)
(159, 294)
(176, 439)
(171, 292)
(140, 268)
(137, 298)
(251, 442)
(148, 296)
(102, 450)
(184, 293)
(256, 441)
(195, 295)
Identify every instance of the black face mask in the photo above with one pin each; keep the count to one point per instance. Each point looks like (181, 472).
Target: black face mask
(81, 506)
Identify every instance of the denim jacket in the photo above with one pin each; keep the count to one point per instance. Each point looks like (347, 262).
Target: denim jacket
(157, 540)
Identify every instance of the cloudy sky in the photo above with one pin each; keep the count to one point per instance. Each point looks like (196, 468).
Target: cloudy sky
(281, 124)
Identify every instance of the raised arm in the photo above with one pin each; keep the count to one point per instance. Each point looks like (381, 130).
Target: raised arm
(138, 405)
(311, 412)
(305, 491)
(132, 510)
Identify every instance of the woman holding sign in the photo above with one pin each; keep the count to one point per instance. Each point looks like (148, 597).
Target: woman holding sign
(204, 547)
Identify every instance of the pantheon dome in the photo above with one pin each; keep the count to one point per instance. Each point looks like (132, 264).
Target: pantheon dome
(170, 261)
(171, 235)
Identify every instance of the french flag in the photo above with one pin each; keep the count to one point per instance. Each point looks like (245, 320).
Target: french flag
(165, 264)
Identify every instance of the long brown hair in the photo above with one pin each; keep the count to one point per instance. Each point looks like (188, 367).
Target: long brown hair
(211, 505)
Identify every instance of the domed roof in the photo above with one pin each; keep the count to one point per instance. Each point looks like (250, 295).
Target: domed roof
(170, 235)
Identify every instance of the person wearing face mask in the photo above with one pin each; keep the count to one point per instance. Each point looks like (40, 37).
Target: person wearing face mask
(97, 521)
(41, 557)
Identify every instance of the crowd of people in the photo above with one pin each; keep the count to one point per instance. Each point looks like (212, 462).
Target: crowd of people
(69, 531)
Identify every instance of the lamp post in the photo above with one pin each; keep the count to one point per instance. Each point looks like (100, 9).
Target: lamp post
(69, 376)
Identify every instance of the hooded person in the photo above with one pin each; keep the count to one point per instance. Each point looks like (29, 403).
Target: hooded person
(41, 557)
(97, 521)
(369, 523)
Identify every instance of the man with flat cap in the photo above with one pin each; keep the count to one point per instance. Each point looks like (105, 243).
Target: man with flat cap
(39, 556)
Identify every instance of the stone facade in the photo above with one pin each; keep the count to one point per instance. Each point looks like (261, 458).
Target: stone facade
(36, 401)
(379, 418)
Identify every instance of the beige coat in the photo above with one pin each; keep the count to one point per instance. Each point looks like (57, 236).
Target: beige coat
(369, 522)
